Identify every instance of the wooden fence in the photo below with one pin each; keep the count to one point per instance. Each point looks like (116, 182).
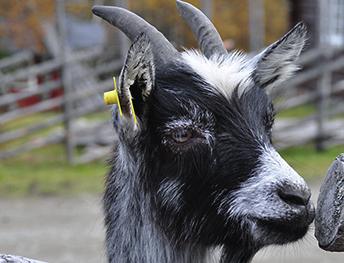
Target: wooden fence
(85, 75)
(320, 84)
(84, 100)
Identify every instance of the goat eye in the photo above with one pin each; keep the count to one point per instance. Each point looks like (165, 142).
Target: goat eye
(181, 135)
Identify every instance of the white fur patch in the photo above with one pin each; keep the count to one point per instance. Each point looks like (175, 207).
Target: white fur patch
(258, 196)
(170, 192)
(222, 73)
(275, 168)
(276, 63)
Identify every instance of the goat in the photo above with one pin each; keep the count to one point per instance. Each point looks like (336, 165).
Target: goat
(196, 178)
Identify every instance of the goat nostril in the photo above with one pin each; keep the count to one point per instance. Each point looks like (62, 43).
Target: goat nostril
(294, 197)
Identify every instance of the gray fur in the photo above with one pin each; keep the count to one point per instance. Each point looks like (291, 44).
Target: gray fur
(135, 237)
(277, 62)
(139, 66)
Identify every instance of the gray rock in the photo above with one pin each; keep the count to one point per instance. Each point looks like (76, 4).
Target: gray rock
(17, 259)
(329, 219)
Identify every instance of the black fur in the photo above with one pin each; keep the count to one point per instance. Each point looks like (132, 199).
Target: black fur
(178, 192)
(198, 175)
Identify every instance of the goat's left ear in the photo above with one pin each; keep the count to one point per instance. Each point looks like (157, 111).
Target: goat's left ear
(137, 77)
(277, 62)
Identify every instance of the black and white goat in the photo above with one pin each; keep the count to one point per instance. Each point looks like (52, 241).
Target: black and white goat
(197, 178)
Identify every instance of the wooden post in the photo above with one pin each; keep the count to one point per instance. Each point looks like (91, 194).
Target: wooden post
(324, 86)
(68, 106)
(207, 8)
(324, 82)
(256, 24)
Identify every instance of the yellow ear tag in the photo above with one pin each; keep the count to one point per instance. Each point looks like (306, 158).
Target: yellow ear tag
(111, 97)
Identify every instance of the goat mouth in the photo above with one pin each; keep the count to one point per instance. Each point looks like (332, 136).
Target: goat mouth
(284, 231)
(296, 218)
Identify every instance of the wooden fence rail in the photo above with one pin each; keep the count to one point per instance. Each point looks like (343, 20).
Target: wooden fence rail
(306, 98)
(24, 131)
(46, 87)
(19, 58)
(79, 96)
(49, 66)
(50, 138)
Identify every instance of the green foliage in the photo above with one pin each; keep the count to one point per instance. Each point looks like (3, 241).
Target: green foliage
(3, 53)
(23, 19)
(309, 163)
(22, 22)
(298, 112)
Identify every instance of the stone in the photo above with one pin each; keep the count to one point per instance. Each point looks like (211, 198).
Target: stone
(17, 259)
(329, 219)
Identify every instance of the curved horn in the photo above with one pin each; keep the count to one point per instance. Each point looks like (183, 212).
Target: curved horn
(208, 38)
(132, 25)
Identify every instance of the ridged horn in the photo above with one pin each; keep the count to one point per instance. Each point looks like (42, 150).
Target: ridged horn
(132, 25)
(208, 38)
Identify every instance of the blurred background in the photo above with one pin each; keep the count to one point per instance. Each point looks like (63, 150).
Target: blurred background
(56, 60)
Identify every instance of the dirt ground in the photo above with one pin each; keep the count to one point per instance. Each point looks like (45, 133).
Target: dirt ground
(53, 229)
(65, 230)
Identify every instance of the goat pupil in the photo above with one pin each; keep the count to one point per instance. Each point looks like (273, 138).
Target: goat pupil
(181, 135)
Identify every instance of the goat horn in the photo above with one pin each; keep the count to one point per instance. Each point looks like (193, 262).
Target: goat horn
(208, 38)
(132, 25)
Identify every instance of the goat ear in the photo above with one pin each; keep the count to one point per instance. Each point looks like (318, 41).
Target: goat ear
(277, 62)
(137, 77)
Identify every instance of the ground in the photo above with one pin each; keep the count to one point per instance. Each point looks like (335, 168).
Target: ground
(70, 229)
(53, 229)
